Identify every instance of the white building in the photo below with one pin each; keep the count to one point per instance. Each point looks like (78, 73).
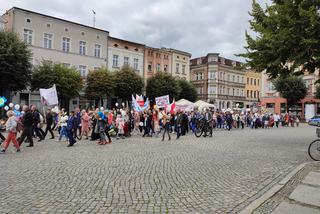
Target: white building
(2, 23)
(60, 41)
(122, 52)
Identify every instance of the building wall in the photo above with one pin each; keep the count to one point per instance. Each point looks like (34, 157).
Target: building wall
(180, 64)
(217, 84)
(253, 86)
(155, 58)
(122, 49)
(18, 20)
(199, 77)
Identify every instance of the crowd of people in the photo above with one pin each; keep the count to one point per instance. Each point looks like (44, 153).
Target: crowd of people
(104, 125)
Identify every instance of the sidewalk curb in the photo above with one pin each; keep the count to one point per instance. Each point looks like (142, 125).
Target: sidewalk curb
(256, 203)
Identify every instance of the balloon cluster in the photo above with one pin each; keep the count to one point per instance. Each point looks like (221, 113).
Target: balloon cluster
(15, 108)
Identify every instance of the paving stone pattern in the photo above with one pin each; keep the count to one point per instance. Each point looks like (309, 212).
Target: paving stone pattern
(191, 175)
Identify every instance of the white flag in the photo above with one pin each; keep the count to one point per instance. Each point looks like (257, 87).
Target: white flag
(49, 96)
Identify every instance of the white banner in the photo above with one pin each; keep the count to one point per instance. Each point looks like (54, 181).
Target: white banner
(49, 96)
(163, 101)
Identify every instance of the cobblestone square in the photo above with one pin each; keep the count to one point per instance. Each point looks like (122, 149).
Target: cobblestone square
(222, 174)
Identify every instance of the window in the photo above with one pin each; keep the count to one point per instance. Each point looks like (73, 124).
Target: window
(238, 92)
(183, 69)
(228, 91)
(228, 77)
(27, 36)
(258, 95)
(67, 65)
(158, 67)
(212, 75)
(177, 68)
(270, 86)
(83, 70)
(135, 63)
(233, 92)
(28, 20)
(255, 82)
(251, 81)
(251, 94)
(165, 68)
(238, 79)
(47, 40)
(126, 60)
(258, 81)
(65, 44)
(233, 78)
(150, 66)
(248, 93)
(82, 48)
(254, 94)
(115, 61)
(247, 80)
(97, 50)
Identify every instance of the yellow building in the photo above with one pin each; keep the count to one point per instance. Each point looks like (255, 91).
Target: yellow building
(252, 88)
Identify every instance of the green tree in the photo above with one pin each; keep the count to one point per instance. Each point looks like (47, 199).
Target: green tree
(287, 37)
(162, 84)
(291, 88)
(188, 91)
(100, 83)
(68, 80)
(15, 66)
(127, 82)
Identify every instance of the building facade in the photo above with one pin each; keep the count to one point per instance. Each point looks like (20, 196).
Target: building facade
(156, 60)
(2, 23)
(122, 52)
(252, 88)
(180, 64)
(306, 108)
(219, 81)
(60, 41)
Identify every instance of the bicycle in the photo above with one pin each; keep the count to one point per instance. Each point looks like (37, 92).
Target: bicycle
(314, 148)
(203, 126)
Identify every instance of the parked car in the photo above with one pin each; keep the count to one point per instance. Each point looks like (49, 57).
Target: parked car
(315, 121)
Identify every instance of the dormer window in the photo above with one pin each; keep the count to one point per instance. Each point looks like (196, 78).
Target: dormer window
(126, 47)
(66, 29)
(48, 25)
(82, 33)
(136, 49)
(98, 37)
(28, 20)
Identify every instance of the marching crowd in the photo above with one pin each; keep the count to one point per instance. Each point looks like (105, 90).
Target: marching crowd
(102, 125)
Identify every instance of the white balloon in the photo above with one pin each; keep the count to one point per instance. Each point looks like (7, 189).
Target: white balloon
(17, 107)
(10, 105)
(101, 109)
(6, 108)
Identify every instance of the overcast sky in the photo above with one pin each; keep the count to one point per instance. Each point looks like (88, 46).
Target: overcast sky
(195, 26)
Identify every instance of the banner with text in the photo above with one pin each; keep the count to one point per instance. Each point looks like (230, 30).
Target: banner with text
(163, 101)
(49, 96)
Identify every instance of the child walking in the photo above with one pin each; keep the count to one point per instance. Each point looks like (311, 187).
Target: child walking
(11, 126)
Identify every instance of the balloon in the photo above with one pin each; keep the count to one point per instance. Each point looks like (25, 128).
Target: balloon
(6, 108)
(3, 100)
(101, 109)
(17, 107)
(10, 105)
(117, 104)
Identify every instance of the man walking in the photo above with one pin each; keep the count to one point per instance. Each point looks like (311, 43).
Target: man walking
(71, 128)
(49, 120)
(37, 123)
(27, 122)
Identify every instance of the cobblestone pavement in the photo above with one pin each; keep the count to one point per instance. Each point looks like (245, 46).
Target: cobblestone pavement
(190, 175)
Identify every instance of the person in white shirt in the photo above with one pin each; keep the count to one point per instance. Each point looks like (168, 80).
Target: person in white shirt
(277, 119)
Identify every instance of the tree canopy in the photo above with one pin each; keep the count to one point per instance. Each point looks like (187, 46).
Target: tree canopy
(188, 91)
(292, 88)
(15, 65)
(287, 37)
(162, 84)
(68, 80)
(127, 82)
(100, 83)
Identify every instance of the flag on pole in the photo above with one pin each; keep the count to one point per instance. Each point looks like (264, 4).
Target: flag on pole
(49, 96)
